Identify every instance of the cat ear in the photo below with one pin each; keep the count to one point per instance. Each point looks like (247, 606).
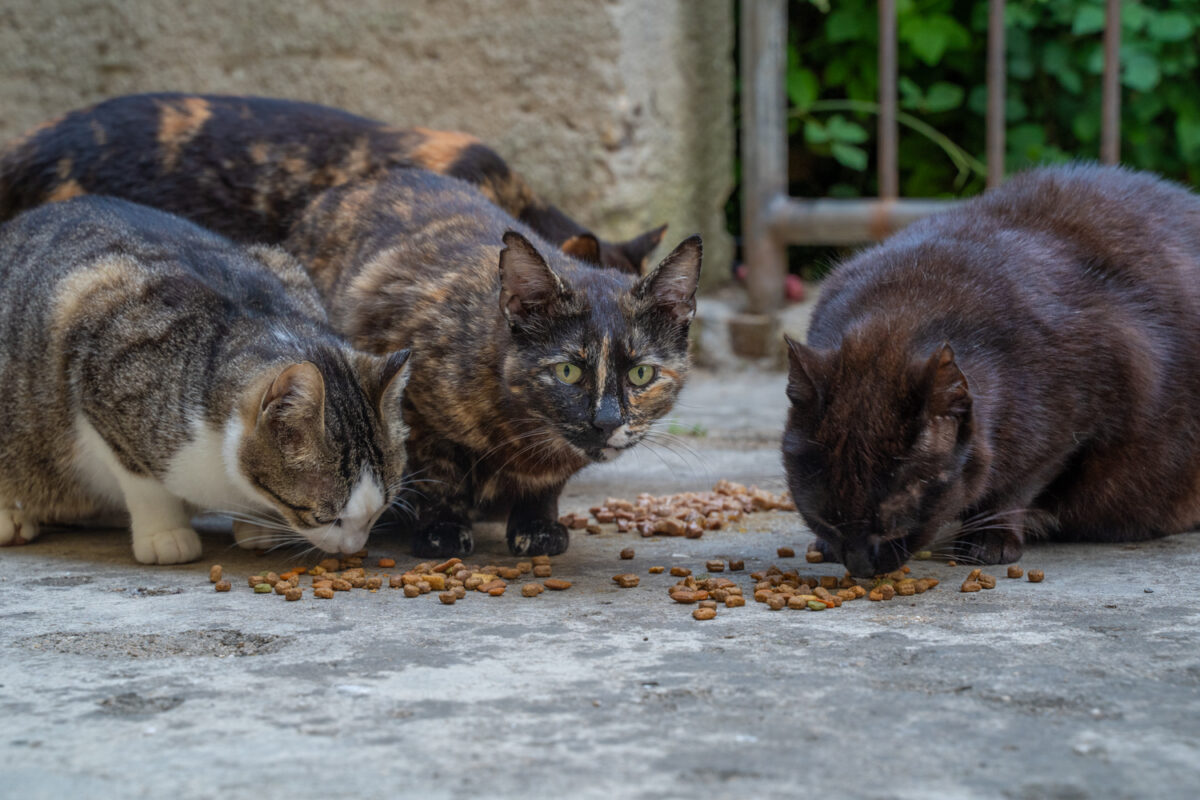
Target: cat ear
(527, 284)
(949, 395)
(639, 248)
(803, 368)
(393, 376)
(584, 246)
(293, 407)
(672, 285)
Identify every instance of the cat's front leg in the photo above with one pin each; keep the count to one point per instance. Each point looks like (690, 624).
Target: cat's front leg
(533, 526)
(441, 531)
(994, 537)
(16, 527)
(160, 521)
(437, 495)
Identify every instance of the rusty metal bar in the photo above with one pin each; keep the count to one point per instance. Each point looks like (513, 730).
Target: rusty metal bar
(889, 168)
(996, 80)
(847, 222)
(1110, 114)
(764, 148)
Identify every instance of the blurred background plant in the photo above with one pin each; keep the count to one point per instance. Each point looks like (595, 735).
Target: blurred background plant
(1055, 62)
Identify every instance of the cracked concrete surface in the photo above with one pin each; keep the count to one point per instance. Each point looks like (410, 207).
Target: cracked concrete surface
(119, 680)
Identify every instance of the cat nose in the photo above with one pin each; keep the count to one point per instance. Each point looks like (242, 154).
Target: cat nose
(607, 417)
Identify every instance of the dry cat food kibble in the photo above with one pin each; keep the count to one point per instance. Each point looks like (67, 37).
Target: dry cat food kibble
(785, 552)
(716, 565)
(324, 594)
(657, 570)
(448, 598)
(542, 571)
(687, 514)
(627, 553)
(532, 590)
(556, 584)
(214, 573)
(736, 565)
(970, 586)
(223, 586)
(387, 563)
(293, 594)
(1015, 571)
(1036, 576)
(262, 588)
(813, 556)
(704, 613)
(680, 572)
(626, 581)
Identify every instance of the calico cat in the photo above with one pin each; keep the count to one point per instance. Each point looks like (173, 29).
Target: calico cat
(246, 167)
(152, 367)
(1028, 360)
(527, 364)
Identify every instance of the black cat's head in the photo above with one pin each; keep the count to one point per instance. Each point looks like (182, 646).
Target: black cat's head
(876, 446)
(598, 355)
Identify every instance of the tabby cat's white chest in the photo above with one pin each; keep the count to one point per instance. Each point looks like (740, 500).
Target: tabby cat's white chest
(204, 471)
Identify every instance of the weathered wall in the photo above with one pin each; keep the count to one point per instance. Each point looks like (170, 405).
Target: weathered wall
(619, 110)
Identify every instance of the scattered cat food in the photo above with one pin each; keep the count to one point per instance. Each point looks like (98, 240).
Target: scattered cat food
(556, 584)
(680, 572)
(627, 581)
(532, 589)
(987, 581)
(323, 593)
(262, 588)
(923, 555)
(1015, 571)
(736, 565)
(411, 590)
(542, 571)
(687, 514)
(786, 552)
(627, 553)
(952, 563)
(1036, 576)
(387, 563)
(813, 556)
(704, 613)
(223, 586)
(214, 573)
(971, 586)
(448, 598)
(657, 570)
(716, 565)
(293, 594)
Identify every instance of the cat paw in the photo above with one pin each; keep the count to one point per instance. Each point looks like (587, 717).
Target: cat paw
(172, 546)
(539, 537)
(16, 528)
(1002, 547)
(442, 540)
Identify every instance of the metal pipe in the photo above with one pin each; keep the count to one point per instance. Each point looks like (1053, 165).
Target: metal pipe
(1110, 114)
(764, 147)
(996, 78)
(846, 222)
(889, 169)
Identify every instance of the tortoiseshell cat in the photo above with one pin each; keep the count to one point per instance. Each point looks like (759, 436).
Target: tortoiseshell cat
(527, 364)
(246, 167)
(151, 367)
(1027, 360)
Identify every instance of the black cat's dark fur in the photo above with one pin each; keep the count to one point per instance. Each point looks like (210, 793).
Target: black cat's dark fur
(1028, 359)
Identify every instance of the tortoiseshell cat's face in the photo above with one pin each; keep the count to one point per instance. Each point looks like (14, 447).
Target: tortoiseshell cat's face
(597, 356)
(329, 469)
(874, 450)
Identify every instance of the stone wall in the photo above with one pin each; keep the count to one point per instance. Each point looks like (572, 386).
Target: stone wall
(619, 111)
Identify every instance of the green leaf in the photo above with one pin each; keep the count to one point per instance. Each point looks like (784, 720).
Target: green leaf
(815, 133)
(1187, 134)
(1140, 72)
(843, 130)
(943, 96)
(1086, 126)
(802, 87)
(1134, 17)
(911, 95)
(1088, 19)
(1171, 26)
(848, 25)
(850, 155)
(930, 37)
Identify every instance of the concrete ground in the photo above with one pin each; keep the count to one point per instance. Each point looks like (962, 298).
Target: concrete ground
(118, 680)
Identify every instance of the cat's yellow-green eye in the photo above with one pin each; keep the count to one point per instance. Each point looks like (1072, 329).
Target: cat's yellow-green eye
(568, 372)
(641, 374)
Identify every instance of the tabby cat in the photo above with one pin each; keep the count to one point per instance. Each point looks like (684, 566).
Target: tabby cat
(151, 367)
(1029, 360)
(527, 363)
(246, 167)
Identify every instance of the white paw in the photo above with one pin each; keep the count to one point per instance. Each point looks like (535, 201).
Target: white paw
(253, 537)
(172, 546)
(16, 528)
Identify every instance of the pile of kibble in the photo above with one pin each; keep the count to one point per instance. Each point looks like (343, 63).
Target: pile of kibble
(452, 579)
(687, 514)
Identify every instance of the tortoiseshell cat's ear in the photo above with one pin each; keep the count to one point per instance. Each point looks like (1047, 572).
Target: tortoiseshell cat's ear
(583, 246)
(949, 395)
(639, 248)
(671, 287)
(527, 284)
(804, 369)
(293, 408)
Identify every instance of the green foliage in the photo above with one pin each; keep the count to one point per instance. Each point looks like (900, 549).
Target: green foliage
(1055, 62)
